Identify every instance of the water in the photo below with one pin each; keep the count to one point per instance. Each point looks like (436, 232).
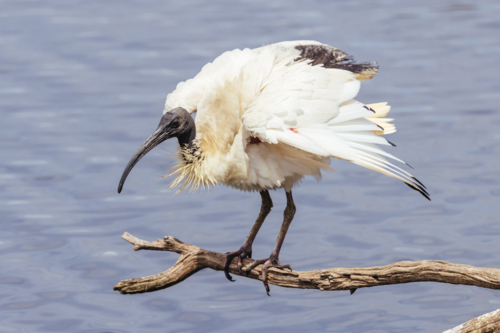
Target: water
(83, 84)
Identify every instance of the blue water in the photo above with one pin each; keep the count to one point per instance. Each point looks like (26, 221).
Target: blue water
(83, 83)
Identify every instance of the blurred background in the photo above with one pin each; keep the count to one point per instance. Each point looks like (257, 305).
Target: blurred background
(83, 84)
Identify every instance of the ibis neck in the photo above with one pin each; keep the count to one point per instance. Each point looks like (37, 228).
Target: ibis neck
(187, 143)
(188, 133)
(186, 140)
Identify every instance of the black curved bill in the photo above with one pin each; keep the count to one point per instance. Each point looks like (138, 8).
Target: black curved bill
(154, 140)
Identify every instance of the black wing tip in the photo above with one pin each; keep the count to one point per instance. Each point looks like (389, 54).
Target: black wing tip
(420, 190)
(331, 57)
(418, 181)
(369, 108)
(389, 142)
(410, 166)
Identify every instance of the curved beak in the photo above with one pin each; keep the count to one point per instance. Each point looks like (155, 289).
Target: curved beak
(154, 140)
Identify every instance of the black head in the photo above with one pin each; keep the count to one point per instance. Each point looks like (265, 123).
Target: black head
(175, 123)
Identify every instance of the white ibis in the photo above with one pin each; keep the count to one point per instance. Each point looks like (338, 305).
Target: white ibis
(266, 118)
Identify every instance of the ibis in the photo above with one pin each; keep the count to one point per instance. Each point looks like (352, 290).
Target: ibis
(268, 117)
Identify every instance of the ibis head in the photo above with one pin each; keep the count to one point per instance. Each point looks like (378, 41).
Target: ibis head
(174, 123)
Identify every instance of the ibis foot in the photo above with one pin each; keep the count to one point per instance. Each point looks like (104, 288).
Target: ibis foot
(241, 254)
(266, 263)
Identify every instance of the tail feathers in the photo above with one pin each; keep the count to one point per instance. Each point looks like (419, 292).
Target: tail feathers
(381, 110)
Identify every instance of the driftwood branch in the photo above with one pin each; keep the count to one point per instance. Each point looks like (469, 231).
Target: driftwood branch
(193, 259)
(487, 323)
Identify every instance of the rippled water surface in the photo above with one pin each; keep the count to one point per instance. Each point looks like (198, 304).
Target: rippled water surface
(83, 83)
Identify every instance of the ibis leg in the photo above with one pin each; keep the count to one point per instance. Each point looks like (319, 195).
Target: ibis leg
(246, 249)
(273, 260)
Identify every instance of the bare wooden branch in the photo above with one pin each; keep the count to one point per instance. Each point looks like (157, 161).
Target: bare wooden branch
(487, 323)
(192, 259)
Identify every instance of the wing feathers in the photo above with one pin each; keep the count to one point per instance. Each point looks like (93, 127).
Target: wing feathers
(373, 148)
(358, 124)
(381, 110)
(298, 141)
(312, 108)
(326, 140)
(363, 137)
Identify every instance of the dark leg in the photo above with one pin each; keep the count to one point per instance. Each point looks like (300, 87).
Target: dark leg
(273, 260)
(246, 249)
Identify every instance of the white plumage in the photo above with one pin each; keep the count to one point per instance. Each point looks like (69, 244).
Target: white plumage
(268, 117)
(266, 93)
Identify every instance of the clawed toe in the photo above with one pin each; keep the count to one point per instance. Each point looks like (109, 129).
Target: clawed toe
(254, 264)
(241, 254)
(266, 263)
